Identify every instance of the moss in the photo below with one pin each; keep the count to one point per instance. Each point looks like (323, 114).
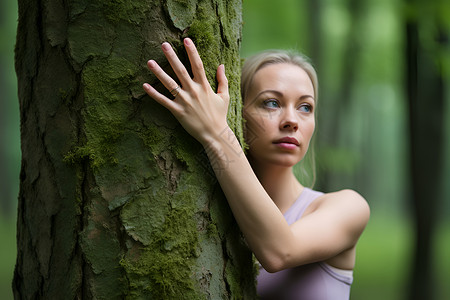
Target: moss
(122, 10)
(205, 33)
(100, 150)
(160, 193)
(164, 267)
(154, 138)
(240, 268)
(181, 12)
(160, 275)
(202, 32)
(184, 3)
(212, 230)
(106, 97)
(186, 149)
(107, 80)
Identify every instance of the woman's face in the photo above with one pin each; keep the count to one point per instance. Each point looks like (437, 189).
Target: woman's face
(279, 110)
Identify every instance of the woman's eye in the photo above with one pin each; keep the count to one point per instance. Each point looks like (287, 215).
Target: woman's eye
(271, 103)
(307, 108)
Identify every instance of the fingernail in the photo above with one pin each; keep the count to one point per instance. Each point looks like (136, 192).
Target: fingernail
(151, 64)
(166, 46)
(187, 41)
(145, 86)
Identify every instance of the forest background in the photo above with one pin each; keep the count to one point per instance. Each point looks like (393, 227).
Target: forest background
(366, 98)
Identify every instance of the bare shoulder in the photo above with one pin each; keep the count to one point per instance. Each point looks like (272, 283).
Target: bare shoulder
(347, 205)
(347, 199)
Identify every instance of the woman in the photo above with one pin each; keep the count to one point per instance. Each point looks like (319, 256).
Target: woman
(304, 240)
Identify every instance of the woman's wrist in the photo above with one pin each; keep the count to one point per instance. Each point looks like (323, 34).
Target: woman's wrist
(223, 151)
(217, 137)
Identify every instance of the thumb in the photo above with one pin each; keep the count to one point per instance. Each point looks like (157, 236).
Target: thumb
(222, 88)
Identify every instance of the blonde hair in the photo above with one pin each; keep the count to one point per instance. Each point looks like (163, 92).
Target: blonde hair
(269, 57)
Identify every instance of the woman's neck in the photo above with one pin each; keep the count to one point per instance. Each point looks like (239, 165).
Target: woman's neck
(280, 183)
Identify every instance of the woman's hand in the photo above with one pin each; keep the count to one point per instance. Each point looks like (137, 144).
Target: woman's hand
(196, 106)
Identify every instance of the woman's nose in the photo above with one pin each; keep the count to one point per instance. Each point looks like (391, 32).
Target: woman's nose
(289, 120)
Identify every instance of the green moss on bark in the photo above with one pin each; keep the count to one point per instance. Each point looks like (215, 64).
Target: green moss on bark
(217, 41)
(145, 186)
(181, 12)
(106, 83)
(168, 230)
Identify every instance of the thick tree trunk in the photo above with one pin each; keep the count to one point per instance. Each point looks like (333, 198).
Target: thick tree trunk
(116, 199)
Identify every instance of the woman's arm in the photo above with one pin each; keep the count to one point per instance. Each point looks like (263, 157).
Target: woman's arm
(334, 225)
(332, 228)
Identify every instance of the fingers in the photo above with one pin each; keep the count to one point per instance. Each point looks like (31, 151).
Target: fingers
(180, 70)
(161, 99)
(196, 63)
(183, 75)
(165, 79)
(222, 88)
(177, 65)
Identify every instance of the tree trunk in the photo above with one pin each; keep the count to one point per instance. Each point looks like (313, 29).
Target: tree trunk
(116, 199)
(425, 91)
(331, 133)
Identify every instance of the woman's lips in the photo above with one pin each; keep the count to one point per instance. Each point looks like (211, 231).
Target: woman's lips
(287, 143)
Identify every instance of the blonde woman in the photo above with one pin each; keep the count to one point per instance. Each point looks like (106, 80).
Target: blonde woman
(304, 240)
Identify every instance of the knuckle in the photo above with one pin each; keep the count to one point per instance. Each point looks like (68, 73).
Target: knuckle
(196, 91)
(183, 72)
(198, 65)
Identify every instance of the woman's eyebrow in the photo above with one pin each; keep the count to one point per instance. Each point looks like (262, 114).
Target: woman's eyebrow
(307, 96)
(280, 94)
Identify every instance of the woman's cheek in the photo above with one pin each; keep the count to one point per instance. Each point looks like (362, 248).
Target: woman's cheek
(250, 135)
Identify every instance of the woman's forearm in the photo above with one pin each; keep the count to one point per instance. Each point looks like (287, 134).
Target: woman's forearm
(261, 222)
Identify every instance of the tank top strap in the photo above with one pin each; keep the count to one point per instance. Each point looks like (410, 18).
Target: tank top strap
(295, 212)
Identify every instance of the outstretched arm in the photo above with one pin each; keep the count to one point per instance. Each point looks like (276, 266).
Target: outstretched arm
(323, 234)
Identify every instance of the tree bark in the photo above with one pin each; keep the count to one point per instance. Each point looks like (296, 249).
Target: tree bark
(116, 199)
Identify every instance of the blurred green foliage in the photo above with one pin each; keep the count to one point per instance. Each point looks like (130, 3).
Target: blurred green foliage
(370, 153)
(358, 51)
(9, 146)
(9, 112)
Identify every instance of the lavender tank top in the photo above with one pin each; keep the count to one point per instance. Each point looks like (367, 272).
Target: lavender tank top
(316, 281)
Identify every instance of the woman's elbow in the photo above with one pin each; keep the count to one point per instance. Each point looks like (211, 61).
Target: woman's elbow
(273, 263)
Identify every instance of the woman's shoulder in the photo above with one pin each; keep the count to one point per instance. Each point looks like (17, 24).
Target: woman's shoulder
(347, 201)
(346, 196)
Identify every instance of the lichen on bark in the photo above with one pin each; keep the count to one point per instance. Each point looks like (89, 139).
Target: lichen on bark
(145, 214)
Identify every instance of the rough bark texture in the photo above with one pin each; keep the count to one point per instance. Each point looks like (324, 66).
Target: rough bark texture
(116, 199)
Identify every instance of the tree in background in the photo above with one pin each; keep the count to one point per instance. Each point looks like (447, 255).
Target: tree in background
(116, 199)
(426, 37)
(337, 93)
